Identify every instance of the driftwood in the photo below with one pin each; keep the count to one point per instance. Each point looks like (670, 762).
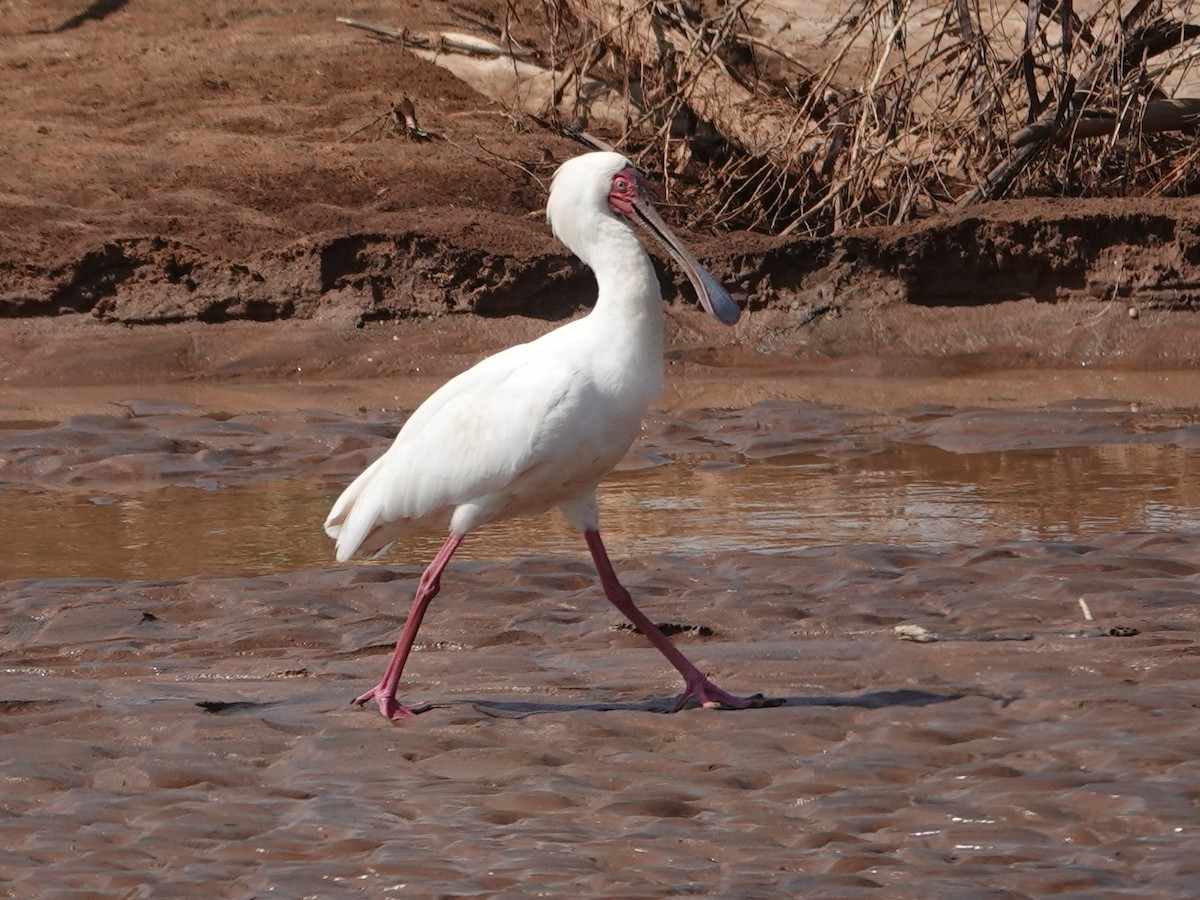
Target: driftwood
(446, 42)
(505, 73)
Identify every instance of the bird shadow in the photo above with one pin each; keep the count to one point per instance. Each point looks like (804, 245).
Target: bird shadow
(520, 709)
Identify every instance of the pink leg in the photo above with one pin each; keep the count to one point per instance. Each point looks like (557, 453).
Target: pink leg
(384, 693)
(695, 684)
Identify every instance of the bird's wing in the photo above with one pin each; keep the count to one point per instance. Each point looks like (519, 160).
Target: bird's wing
(471, 438)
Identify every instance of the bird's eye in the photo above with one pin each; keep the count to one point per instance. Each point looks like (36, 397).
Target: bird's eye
(620, 184)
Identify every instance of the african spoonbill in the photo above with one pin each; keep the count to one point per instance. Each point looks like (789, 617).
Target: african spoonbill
(538, 425)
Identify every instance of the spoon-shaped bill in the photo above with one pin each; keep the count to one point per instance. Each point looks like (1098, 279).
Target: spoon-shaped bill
(714, 298)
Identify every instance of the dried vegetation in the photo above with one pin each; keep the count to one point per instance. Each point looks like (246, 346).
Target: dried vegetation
(901, 108)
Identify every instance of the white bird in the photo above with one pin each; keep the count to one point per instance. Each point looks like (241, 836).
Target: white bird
(538, 425)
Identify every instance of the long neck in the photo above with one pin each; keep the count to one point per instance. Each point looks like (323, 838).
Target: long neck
(627, 322)
(628, 286)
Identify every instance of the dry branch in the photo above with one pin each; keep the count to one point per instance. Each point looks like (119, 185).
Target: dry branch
(1069, 113)
(1182, 114)
(905, 106)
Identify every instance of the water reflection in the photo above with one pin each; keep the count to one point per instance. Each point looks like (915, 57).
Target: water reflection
(909, 494)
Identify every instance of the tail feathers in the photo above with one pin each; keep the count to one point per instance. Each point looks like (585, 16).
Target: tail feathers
(356, 514)
(352, 533)
(366, 518)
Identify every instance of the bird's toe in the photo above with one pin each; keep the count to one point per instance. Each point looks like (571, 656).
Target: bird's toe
(709, 696)
(389, 706)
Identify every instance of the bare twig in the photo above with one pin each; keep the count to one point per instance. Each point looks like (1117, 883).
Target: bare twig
(357, 131)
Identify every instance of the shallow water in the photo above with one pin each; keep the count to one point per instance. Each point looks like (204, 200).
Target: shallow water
(173, 733)
(907, 494)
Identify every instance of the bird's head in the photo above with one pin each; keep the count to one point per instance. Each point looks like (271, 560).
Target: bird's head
(594, 187)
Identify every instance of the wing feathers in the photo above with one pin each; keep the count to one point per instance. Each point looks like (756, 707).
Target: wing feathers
(470, 441)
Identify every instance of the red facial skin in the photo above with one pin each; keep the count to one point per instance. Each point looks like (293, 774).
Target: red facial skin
(625, 192)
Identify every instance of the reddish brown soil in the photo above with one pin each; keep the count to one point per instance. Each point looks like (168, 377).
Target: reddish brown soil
(179, 162)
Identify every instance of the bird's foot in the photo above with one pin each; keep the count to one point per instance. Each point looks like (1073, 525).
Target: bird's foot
(389, 706)
(710, 696)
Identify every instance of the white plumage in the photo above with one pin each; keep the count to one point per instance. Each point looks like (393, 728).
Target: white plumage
(538, 425)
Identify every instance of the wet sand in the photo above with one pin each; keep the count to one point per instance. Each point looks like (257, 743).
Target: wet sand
(166, 735)
(176, 735)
